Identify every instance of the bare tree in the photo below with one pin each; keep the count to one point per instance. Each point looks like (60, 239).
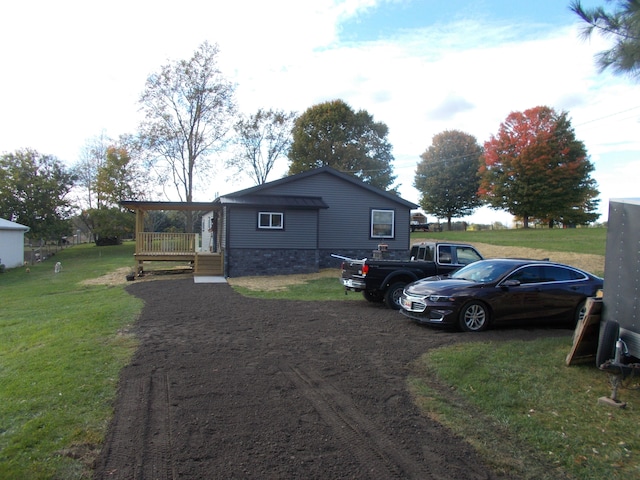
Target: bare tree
(92, 157)
(261, 139)
(188, 107)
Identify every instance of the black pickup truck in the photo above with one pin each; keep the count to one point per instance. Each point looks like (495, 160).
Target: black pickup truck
(384, 280)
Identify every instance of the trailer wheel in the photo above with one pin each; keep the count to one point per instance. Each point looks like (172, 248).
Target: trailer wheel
(393, 295)
(373, 297)
(609, 334)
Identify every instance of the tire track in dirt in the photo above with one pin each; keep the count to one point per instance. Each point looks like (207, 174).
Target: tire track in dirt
(149, 414)
(157, 462)
(376, 452)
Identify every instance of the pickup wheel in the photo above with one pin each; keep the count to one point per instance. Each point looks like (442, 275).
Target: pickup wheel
(373, 297)
(393, 295)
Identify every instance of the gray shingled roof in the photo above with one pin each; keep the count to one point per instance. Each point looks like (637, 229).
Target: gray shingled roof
(287, 201)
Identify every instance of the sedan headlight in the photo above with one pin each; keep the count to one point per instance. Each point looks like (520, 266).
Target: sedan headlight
(439, 298)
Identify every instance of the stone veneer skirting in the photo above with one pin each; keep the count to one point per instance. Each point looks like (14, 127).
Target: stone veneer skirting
(243, 262)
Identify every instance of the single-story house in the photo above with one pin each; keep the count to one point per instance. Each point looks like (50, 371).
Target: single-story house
(12, 243)
(290, 225)
(294, 224)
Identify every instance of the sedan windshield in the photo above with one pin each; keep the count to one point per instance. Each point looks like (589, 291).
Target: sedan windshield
(482, 272)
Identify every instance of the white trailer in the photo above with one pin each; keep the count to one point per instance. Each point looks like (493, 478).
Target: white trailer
(621, 299)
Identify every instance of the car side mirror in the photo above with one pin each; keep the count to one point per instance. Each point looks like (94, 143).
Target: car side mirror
(511, 283)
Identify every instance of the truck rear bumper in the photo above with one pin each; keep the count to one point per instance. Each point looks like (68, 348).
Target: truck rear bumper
(351, 284)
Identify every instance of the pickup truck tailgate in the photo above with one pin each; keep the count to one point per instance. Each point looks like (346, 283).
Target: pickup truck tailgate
(352, 276)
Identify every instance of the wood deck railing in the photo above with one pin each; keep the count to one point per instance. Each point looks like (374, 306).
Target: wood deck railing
(154, 243)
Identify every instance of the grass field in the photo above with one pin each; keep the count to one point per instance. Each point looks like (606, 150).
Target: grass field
(62, 345)
(576, 240)
(527, 413)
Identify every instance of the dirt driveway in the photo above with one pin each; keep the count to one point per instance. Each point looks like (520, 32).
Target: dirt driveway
(228, 387)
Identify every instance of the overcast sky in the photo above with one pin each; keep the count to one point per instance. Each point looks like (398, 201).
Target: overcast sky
(74, 69)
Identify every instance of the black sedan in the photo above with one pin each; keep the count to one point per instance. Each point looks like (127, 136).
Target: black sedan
(501, 291)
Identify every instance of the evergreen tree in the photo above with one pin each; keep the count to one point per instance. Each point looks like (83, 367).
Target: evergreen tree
(622, 25)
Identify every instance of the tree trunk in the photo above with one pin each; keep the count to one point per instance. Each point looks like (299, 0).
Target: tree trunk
(189, 221)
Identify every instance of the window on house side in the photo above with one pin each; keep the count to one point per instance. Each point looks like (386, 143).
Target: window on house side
(271, 220)
(382, 222)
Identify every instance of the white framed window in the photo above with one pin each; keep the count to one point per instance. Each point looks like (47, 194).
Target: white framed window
(271, 220)
(382, 223)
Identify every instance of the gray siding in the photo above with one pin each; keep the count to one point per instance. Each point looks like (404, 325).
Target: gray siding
(300, 229)
(345, 225)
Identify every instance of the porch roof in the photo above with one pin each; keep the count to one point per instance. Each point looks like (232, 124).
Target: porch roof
(181, 206)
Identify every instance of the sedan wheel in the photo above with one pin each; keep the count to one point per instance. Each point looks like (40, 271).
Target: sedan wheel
(581, 312)
(474, 317)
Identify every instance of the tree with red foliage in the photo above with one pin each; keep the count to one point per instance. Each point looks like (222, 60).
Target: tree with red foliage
(536, 168)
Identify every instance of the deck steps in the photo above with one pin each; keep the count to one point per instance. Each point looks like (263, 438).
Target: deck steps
(209, 264)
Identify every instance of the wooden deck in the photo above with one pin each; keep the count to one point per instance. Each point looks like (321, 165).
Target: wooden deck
(176, 247)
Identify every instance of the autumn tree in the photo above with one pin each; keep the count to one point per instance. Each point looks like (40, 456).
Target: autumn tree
(333, 134)
(34, 191)
(119, 178)
(261, 139)
(188, 107)
(447, 176)
(536, 168)
(622, 25)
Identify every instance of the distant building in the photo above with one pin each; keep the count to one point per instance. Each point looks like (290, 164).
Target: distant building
(12, 243)
(418, 217)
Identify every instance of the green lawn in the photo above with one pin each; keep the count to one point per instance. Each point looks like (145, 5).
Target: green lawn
(62, 345)
(527, 413)
(578, 240)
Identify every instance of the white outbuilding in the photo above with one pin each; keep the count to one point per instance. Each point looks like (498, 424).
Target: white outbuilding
(12, 243)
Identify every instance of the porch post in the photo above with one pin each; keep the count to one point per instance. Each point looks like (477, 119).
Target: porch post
(139, 228)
